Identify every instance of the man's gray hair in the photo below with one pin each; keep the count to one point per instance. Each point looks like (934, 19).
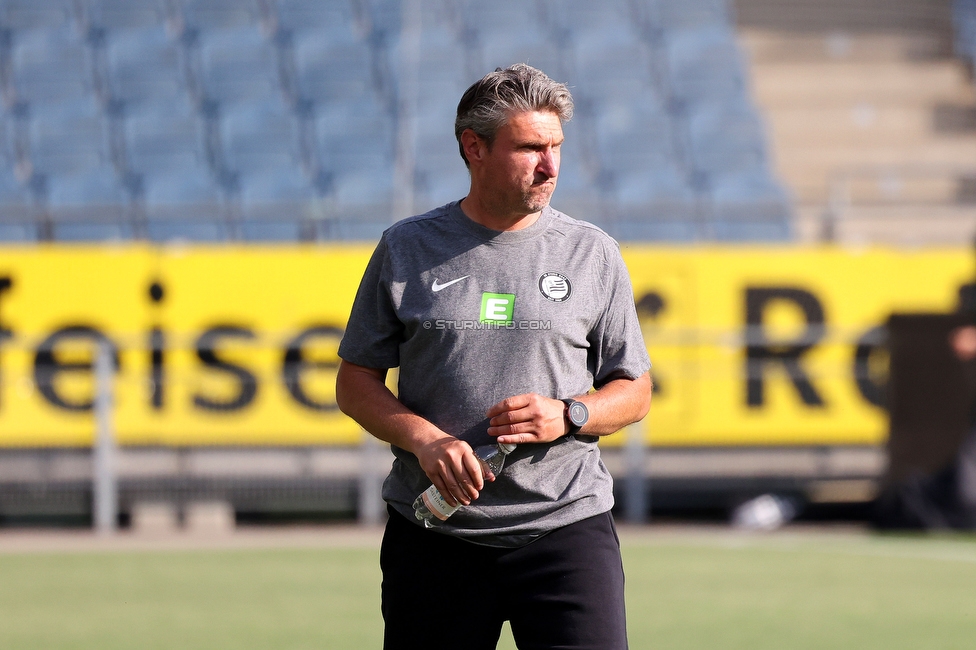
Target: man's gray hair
(486, 106)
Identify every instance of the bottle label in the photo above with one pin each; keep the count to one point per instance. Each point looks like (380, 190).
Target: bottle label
(436, 504)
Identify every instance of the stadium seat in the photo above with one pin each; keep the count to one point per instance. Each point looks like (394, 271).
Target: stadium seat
(51, 66)
(92, 231)
(726, 138)
(17, 232)
(275, 193)
(180, 194)
(610, 68)
(573, 17)
(329, 71)
(18, 212)
(497, 19)
(634, 135)
(204, 229)
(332, 19)
(144, 65)
(238, 65)
(35, 14)
(95, 195)
(526, 46)
(218, 14)
(704, 65)
(119, 15)
(692, 14)
(350, 142)
(68, 138)
(164, 137)
(749, 196)
(259, 136)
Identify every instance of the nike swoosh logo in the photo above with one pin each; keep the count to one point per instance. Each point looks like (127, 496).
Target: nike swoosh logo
(437, 287)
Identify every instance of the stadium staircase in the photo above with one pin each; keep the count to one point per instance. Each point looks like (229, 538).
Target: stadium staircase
(872, 116)
(288, 120)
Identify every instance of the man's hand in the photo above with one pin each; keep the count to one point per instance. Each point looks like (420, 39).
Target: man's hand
(527, 418)
(452, 467)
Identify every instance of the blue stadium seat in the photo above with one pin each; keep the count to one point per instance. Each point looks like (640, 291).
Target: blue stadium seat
(35, 14)
(524, 46)
(203, 229)
(18, 212)
(274, 193)
(124, 14)
(330, 71)
(750, 197)
(692, 14)
(238, 65)
(182, 194)
(51, 66)
(17, 232)
(727, 138)
(259, 136)
(164, 137)
(497, 18)
(95, 195)
(349, 142)
(333, 19)
(609, 67)
(218, 14)
(385, 18)
(284, 229)
(90, 231)
(635, 134)
(68, 138)
(705, 65)
(573, 17)
(144, 65)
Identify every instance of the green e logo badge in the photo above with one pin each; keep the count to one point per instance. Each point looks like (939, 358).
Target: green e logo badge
(497, 308)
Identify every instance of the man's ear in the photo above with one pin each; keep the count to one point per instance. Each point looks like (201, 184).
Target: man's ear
(474, 147)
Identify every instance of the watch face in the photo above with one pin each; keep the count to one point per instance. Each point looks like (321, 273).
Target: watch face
(578, 413)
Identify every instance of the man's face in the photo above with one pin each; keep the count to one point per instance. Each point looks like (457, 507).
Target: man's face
(518, 172)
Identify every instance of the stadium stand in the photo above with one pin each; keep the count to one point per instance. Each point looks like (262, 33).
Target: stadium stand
(280, 120)
(871, 110)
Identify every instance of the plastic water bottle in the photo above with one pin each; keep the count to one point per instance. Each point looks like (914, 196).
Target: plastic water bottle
(431, 508)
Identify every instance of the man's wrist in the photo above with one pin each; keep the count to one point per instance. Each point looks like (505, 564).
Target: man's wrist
(575, 414)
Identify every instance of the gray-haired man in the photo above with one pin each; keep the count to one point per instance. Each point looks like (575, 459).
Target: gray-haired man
(496, 309)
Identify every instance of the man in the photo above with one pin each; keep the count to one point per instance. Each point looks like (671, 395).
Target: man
(495, 309)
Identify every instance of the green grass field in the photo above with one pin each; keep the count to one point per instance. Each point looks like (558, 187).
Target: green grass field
(685, 590)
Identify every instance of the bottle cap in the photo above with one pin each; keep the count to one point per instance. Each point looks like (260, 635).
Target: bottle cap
(507, 447)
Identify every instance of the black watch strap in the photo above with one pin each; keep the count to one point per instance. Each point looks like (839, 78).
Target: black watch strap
(576, 414)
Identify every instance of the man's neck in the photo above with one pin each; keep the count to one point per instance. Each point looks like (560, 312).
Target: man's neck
(480, 214)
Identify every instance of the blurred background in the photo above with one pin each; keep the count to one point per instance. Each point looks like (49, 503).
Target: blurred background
(190, 190)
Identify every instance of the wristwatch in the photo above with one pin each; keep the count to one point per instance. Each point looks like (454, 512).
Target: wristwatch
(577, 414)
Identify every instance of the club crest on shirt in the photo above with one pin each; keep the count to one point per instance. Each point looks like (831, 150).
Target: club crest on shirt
(555, 286)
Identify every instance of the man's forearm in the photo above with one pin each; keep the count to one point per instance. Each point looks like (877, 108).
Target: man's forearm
(361, 393)
(616, 404)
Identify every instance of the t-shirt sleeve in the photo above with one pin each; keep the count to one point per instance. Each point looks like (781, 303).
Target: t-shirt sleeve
(617, 340)
(373, 333)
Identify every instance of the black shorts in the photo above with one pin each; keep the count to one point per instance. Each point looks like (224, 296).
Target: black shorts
(564, 590)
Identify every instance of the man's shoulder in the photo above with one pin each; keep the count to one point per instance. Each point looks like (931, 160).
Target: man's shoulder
(411, 226)
(581, 230)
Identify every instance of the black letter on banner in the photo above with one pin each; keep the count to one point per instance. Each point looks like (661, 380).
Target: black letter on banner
(871, 387)
(157, 350)
(47, 367)
(5, 284)
(761, 352)
(248, 382)
(295, 364)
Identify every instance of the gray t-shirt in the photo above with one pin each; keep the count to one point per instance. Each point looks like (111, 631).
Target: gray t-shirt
(471, 316)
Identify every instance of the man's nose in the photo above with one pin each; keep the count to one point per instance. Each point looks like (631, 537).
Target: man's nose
(549, 163)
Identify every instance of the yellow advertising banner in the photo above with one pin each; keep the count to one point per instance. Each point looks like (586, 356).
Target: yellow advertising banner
(237, 345)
